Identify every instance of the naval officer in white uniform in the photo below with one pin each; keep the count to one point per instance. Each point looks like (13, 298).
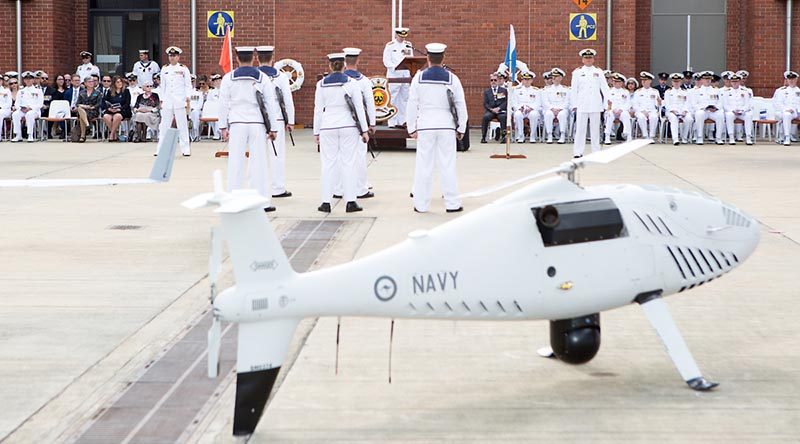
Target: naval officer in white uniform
(176, 87)
(590, 96)
(339, 121)
(432, 123)
(279, 81)
(87, 68)
(242, 123)
(394, 53)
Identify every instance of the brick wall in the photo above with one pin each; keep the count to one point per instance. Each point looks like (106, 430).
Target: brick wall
(56, 30)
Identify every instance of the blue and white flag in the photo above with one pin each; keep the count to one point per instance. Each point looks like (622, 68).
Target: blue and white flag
(511, 54)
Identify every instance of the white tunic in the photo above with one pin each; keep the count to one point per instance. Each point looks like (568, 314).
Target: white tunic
(237, 96)
(678, 100)
(330, 106)
(30, 97)
(527, 97)
(365, 84)
(144, 71)
(589, 89)
(646, 100)
(736, 99)
(705, 96)
(280, 80)
(428, 103)
(86, 70)
(393, 54)
(176, 86)
(555, 97)
(620, 99)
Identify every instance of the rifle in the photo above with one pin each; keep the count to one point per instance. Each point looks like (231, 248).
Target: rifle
(353, 112)
(451, 98)
(264, 115)
(371, 142)
(282, 105)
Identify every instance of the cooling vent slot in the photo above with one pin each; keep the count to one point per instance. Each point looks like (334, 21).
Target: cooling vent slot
(733, 217)
(260, 304)
(677, 264)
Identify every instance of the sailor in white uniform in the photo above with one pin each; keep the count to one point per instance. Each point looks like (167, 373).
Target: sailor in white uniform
(195, 109)
(646, 104)
(437, 116)
(707, 104)
(28, 106)
(590, 94)
(176, 87)
(736, 102)
(786, 103)
(526, 103)
(365, 85)
(555, 102)
(619, 109)
(145, 68)
(241, 122)
(679, 109)
(394, 53)
(283, 102)
(87, 68)
(339, 121)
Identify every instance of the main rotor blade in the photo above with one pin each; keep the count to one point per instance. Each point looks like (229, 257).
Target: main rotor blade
(611, 154)
(502, 186)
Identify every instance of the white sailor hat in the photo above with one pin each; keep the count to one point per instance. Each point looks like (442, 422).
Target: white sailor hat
(215, 76)
(245, 49)
(588, 52)
(85, 54)
(435, 48)
(27, 75)
(646, 75)
(676, 76)
(11, 74)
(726, 74)
(401, 31)
(352, 52)
(557, 72)
(336, 56)
(156, 75)
(265, 48)
(743, 74)
(174, 50)
(789, 75)
(144, 51)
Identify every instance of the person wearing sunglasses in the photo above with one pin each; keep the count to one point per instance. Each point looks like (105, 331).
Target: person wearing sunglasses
(495, 99)
(86, 68)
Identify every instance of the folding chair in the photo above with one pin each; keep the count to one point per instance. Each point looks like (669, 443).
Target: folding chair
(59, 112)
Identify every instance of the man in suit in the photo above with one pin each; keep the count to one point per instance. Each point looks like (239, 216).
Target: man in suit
(495, 100)
(71, 96)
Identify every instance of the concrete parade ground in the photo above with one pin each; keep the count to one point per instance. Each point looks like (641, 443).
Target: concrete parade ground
(105, 310)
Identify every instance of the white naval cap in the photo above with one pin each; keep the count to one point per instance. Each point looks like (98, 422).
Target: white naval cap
(726, 74)
(588, 52)
(435, 48)
(334, 56)
(547, 74)
(12, 74)
(632, 80)
(265, 48)
(144, 51)
(646, 75)
(618, 76)
(401, 31)
(743, 74)
(215, 76)
(27, 75)
(557, 72)
(174, 50)
(352, 52)
(245, 49)
(86, 54)
(735, 77)
(676, 76)
(527, 75)
(789, 75)
(707, 74)
(40, 73)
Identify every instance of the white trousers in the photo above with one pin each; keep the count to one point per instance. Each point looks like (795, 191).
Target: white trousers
(248, 137)
(194, 116)
(435, 146)
(677, 130)
(362, 185)
(730, 123)
(788, 116)
(549, 116)
(624, 119)
(581, 119)
(519, 123)
(277, 164)
(183, 127)
(30, 122)
(700, 117)
(399, 98)
(337, 151)
(652, 119)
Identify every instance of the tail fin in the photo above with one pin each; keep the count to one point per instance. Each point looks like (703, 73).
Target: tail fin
(261, 350)
(162, 167)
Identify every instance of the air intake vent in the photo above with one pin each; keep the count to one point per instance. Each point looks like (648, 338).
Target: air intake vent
(733, 217)
(677, 264)
(260, 304)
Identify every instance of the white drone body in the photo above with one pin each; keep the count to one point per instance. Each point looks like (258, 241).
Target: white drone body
(551, 251)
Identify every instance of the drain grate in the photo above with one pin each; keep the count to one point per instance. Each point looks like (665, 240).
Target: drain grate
(124, 227)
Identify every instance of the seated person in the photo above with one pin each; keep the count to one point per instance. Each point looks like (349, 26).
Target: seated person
(145, 112)
(117, 107)
(527, 104)
(495, 99)
(88, 106)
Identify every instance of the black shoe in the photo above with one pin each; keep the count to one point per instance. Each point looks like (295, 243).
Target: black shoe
(411, 195)
(186, 155)
(676, 143)
(337, 196)
(269, 209)
(325, 207)
(483, 140)
(455, 210)
(417, 211)
(367, 195)
(284, 194)
(352, 207)
(577, 156)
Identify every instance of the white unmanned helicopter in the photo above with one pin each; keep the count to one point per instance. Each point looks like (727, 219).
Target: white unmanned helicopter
(567, 253)
(161, 171)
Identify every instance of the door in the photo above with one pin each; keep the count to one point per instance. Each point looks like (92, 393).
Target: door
(119, 29)
(702, 23)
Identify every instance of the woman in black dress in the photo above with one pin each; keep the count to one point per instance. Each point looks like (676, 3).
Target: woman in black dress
(118, 107)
